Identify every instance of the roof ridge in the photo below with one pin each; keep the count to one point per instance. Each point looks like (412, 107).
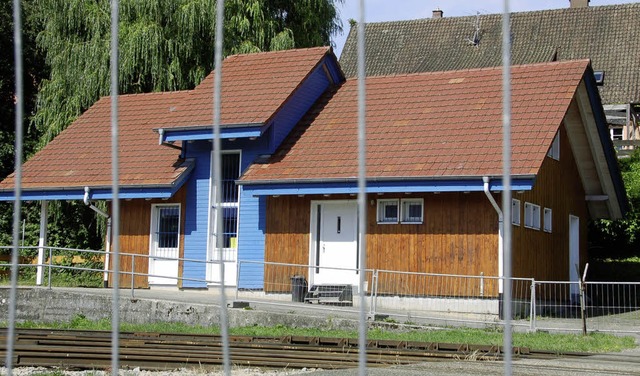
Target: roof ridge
(526, 12)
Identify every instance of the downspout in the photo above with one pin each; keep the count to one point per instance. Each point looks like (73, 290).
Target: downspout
(485, 180)
(107, 245)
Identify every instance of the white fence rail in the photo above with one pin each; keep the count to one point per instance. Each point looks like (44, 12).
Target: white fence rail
(405, 297)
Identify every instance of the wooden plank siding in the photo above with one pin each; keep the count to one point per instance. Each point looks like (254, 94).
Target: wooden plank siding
(541, 255)
(135, 222)
(459, 235)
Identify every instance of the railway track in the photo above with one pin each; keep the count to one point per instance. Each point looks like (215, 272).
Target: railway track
(74, 349)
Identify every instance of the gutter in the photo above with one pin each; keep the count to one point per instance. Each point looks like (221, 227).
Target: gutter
(485, 180)
(372, 179)
(107, 246)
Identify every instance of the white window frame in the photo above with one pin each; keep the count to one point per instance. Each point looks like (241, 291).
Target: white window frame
(380, 212)
(154, 248)
(515, 212)
(531, 216)
(404, 216)
(548, 220)
(554, 150)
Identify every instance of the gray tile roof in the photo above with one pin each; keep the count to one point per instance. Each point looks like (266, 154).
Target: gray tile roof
(608, 35)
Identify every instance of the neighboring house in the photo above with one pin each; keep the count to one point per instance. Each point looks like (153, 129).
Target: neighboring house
(605, 34)
(289, 172)
(166, 187)
(434, 165)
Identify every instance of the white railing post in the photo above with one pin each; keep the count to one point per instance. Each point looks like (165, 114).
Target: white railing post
(133, 263)
(532, 308)
(42, 242)
(238, 277)
(482, 284)
(50, 261)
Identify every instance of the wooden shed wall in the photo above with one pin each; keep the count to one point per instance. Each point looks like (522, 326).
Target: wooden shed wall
(541, 255)
(459, 235)
(135, 222)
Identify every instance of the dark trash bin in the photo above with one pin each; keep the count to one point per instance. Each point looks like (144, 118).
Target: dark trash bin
(298, 288)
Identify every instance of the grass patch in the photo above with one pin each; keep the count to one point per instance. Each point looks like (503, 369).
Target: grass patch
(595, 342)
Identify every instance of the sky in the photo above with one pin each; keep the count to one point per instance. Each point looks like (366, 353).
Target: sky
(396, 10)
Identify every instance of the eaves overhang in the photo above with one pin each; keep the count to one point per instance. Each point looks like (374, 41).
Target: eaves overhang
(205, 132)
(99, 192)
(384, 185)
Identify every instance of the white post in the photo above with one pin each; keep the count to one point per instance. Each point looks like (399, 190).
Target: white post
(42, 241)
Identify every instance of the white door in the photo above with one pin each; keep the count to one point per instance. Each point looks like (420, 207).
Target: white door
(336, 243)
(164, 247)
(574, 253)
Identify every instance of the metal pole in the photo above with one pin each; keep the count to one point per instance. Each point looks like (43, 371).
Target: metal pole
(362, 193)
(133, 263)
(115, 204)
(506, 181)
(532, 311)
(42, 242)
(50, 262)
(217, 177)
(17, 204)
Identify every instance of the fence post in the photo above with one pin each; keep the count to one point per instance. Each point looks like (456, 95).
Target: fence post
(583, 307)
(238, 278)
(50, 260)
(374, 292)
(481, 284)
(133, 258)
(532, 313)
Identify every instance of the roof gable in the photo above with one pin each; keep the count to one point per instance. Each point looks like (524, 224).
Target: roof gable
(254, 87)
(429, 125)
(603, 34)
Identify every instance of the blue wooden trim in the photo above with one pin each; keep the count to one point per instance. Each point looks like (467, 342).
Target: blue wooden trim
(605, 140)
(96, 194)
(468, 185)
(206, 133)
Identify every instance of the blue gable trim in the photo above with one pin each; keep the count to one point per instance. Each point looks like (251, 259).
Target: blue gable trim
(96, 194)
(351, 187)
(305, 96)
(605, 140)
(206, 133)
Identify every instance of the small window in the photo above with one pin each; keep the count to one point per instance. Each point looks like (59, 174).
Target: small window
(547, 220)
(515, 212)
(412, 210)
(388, 211)
(531, 216)
(616, 134)
(599, 76)
(554, 150)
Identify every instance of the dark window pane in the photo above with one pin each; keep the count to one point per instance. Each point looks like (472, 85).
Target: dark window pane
(168, 225)
(230, 173)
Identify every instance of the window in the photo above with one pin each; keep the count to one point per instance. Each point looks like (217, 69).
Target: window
(599, 76)
(388, 211)
(168, 221)
(531, 216)
(547, 220)
(616, 134)
(554, 150)
(229, 204)
(412, 210)
(515, 212)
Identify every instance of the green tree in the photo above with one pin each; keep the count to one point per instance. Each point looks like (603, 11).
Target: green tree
(620, 238)
(164, 45)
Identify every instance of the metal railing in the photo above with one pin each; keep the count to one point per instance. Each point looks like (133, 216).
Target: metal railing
(404, 297)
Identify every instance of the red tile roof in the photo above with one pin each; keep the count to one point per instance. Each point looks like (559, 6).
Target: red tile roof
(81, 155)
(429, 125)
(254, 87)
